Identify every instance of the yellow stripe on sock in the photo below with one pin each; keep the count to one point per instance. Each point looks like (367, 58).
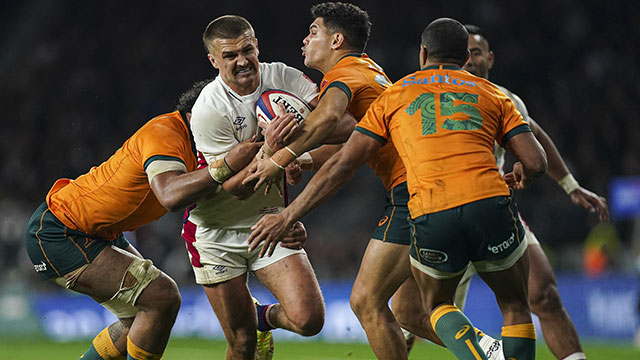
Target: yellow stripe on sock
(138, 354)
(473, 350)
(527, 331)
(441, 311)
(105, 346)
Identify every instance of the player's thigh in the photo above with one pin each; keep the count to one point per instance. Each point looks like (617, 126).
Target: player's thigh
(293, 282)
(384, 267)
(103, 277)
(232, 303)
(510, 285)
(435, 291)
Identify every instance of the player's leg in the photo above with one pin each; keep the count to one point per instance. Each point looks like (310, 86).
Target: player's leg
(410, 313)
(559, 332)
(510, 289)
(384, 267)
(118, 280)
(111, 276)
(502, 261)
(454, 329)
(233, 305)
(293, 283)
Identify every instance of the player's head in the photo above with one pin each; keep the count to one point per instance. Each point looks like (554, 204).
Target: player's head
(481, 57)
(188, 98)
(444, 40)
(338, 28)
(233, 49)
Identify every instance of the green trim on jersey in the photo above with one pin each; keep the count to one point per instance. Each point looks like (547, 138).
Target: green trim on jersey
(515, 131)
(442, 67)
(371, 134)
(340, 85)
(161, 157)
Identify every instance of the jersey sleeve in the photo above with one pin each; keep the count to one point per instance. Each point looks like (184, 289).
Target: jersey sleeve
(345, 79)
(374, 123)
(212, 130)
(159, 141)
(299, 83)
(512, 122)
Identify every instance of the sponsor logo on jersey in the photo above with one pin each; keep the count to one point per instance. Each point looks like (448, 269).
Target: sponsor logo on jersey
(239, 123)
(435, 79)
(433, 256)
(219, 269)
(503, 245)
(40, 267)
(462, 331)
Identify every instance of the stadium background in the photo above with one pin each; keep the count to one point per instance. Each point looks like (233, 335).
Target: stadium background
(79, 77)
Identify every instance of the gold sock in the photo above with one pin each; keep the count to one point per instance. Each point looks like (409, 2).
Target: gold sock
(138, 354)
(105, 347)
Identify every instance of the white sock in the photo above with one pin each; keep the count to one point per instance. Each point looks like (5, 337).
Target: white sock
(576, 356)
(491, 347)
(408, 335)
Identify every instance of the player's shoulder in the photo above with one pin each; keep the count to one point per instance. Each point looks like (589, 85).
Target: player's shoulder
(166, 123)
(214, 100)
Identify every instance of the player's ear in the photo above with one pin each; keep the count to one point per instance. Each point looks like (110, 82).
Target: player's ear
(467, 57)
(257, 47)
(491, 59)
(423, 56)
(213, 62)
(337, 41)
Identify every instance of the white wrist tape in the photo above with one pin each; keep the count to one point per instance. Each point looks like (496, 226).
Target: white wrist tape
(306, 161)
(569, 184)
(220, 171)
(291, 151)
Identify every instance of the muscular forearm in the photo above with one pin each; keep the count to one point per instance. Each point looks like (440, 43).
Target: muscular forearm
(176, 190)
(322, 154)
(333, 174)
(557, 169)
(234, 185)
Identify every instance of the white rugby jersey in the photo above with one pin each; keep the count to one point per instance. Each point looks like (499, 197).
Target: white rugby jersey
(498, 150)
(220, 119)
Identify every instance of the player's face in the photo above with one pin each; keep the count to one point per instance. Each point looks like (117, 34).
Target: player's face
(481, 58)
(316, 46)
(237, 61)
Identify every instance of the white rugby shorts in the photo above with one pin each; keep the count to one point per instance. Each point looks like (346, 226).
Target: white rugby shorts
(224, 255)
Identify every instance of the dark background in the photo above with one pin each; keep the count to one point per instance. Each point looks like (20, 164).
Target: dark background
(77, 78)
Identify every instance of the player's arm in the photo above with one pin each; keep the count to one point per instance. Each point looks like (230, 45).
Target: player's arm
(333, 174)
(559, 172)
(532, 159)
(177, 189)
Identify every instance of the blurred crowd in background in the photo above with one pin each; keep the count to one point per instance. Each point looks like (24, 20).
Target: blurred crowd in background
(77, 78)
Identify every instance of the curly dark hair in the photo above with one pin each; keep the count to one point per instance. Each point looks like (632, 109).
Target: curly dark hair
(188, 98)
(347, 19)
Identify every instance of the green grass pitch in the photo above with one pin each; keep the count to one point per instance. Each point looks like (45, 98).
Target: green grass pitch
(179, 349)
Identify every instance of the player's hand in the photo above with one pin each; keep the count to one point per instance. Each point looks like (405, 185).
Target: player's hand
(280, 130)
(591, 201)
(517, 179)
(266, 172)
(293, 173)
(242, 154)
(271, 229)
(296, 237)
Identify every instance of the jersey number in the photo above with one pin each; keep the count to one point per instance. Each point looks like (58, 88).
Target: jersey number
(426, 102)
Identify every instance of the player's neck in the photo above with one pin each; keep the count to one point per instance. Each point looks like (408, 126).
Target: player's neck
(336, 56)
(437, 63)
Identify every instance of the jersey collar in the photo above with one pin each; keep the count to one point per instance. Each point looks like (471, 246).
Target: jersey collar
(443, 67)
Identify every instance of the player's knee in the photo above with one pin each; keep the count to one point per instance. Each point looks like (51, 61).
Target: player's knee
(309, 323)
(545, 299)
(169, 298)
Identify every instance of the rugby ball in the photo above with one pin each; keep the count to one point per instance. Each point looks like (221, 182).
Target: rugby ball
(267, 105)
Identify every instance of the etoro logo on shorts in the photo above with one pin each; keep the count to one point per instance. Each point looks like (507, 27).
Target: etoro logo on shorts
(433, 256)
(503, 245)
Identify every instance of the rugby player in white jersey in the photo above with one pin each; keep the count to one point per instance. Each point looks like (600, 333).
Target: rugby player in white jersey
(223, 116)
(558, 329)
